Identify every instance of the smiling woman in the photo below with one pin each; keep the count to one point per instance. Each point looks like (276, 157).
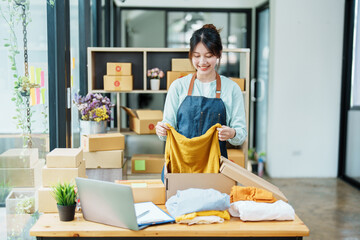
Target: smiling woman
(196, 102)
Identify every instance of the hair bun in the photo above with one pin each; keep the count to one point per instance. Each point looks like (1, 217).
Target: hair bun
(211, 26)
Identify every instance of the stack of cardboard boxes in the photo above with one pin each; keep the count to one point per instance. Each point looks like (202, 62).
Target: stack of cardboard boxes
(104, 155)
(180, 67)
(62, 165)
(118, 77)
(21, 168)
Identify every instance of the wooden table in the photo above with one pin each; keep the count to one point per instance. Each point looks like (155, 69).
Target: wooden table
(50, 227)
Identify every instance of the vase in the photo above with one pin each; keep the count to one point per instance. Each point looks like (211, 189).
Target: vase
(155, 84)
(92, 127)
(66, 213)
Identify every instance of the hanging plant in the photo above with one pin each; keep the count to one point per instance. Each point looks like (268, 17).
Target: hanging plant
(15, 13)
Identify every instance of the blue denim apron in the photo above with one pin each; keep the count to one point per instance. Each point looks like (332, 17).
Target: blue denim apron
(197, 114)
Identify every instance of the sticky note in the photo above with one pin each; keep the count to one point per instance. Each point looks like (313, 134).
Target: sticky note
(139, 165)
(37, 90)
(42, 79)
(32, 97)
(38, 75)
(43, 95)
(139, 185)
(32, 74)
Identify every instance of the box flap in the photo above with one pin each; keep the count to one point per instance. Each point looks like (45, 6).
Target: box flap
(129, 111)
(149, 114)
(248, 179)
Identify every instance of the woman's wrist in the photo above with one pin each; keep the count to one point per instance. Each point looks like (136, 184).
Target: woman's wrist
(234, 133)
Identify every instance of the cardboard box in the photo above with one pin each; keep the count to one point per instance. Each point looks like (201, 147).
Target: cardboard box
(118, 68)
(146, 190)
(51, 176)
(23, 177)
(118, 83)
(47, 203)
(64, 158)
(15, 197)
(106, 174)
(248, 179)
(19, 158)
(147, 163)
(240, 82)
(182, 181)
(237, 156)
(102, 142)
(182, 64)
(143, 121)
(104, 159)
(172, 76)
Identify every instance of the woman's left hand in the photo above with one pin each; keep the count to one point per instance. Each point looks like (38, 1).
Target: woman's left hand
(226, 133)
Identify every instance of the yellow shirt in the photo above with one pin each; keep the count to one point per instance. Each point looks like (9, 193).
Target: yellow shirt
(196, 155)
(223, 214)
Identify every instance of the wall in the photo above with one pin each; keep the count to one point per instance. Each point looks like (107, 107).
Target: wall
(304, 93)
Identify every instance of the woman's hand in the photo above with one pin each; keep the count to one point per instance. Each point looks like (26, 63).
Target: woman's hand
(161, 129)
(226, 133)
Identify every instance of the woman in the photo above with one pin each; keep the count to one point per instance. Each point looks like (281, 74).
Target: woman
(196, 102)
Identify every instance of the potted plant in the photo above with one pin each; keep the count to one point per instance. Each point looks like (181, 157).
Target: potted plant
(95, 111)
(155, 74)
(65, 195)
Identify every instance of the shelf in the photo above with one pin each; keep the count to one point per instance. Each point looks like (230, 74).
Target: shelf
(132, 91)
(127, 132)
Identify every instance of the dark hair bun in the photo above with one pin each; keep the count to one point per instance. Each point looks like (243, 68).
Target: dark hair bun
(211, 26)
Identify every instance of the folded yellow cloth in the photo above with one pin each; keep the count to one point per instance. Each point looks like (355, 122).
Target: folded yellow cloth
(239, 193)
(196, 155)
(223, 214)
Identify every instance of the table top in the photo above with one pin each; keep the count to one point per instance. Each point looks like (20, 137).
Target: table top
(49, 225)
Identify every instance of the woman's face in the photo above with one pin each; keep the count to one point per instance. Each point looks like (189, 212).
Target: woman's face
(203, 60)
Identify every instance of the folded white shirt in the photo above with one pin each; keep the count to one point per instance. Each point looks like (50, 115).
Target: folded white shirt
(257, 211)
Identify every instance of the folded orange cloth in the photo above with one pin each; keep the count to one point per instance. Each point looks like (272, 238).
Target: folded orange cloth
(239, 193)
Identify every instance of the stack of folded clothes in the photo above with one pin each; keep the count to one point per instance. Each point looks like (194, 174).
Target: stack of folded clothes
(199, 206)
(256, 204)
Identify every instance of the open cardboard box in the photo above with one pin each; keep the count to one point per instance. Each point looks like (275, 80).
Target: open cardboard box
(143, 121)
(230, 173)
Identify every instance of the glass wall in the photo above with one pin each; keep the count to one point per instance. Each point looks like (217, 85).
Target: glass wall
(24, 107)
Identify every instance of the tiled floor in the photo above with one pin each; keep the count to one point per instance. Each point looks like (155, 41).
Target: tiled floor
(329, 207)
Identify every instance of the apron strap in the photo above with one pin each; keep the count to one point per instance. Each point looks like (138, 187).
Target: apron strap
(218, 85)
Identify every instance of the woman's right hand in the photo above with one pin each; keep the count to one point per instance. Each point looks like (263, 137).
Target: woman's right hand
(161, 129)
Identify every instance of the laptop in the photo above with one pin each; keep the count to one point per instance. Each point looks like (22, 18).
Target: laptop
(113, 204)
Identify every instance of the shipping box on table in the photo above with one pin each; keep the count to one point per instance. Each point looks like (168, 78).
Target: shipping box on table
(182, 64)
(240, 82)
(248, 179)
(143, 121)
(172, 76)
(51, 176)
(146, 190)
(118, 83)
(182, 181)
(64, 158)
(118, 68)
(103, 142)
(147, 163)
(19, 158)
(23, 177)
(47, 203)
(237, 156)
(104, 159)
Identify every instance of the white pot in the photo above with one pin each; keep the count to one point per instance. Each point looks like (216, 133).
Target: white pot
(92, 127)
(155, 84)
